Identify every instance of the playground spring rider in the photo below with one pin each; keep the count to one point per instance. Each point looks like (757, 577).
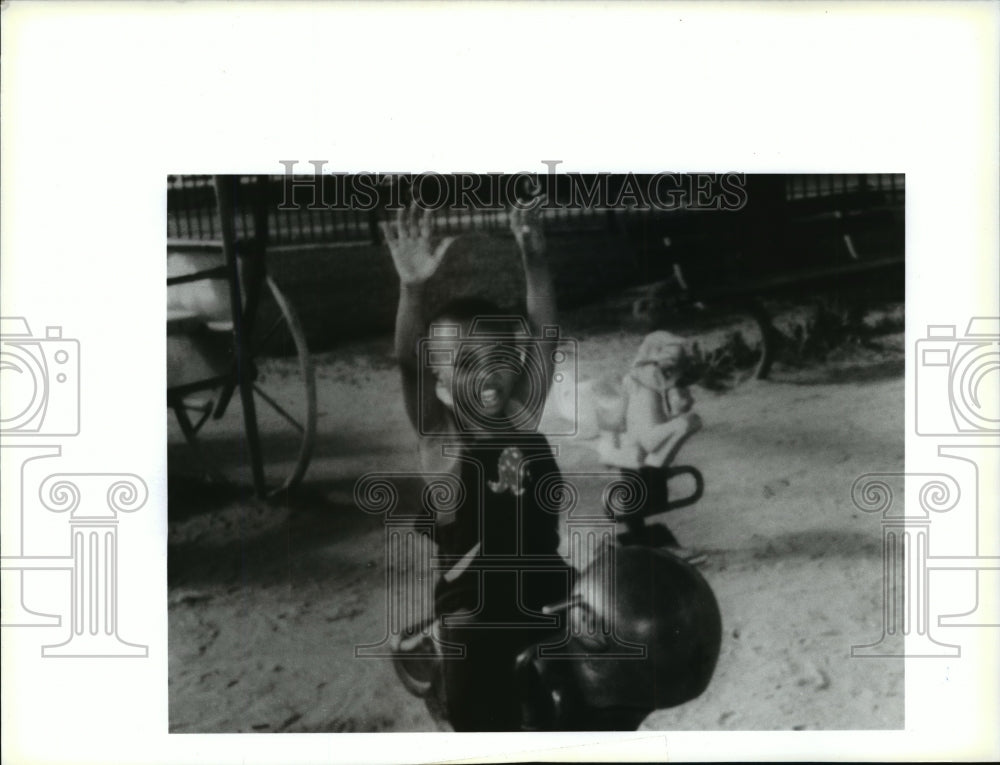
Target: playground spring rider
(653, 641)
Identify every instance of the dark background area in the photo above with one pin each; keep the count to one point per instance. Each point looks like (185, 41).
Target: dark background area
(793, 230)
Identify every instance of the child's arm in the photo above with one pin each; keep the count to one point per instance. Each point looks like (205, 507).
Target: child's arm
(643, 414)
(539, 293)
(658, 433)
(680, 400)
(416, 259)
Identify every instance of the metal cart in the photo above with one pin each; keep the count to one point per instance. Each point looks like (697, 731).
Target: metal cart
(231, 330)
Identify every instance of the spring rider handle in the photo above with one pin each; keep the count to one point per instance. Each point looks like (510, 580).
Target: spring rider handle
(699, 486)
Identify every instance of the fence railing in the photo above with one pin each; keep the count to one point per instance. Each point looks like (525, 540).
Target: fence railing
(303, 218)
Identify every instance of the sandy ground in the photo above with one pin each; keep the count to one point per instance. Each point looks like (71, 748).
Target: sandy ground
(268, 600)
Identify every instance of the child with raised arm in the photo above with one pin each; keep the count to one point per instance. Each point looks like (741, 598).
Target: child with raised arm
(475, 380)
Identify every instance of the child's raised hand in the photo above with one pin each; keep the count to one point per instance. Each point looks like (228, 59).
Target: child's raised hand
(410, 239)
(680, 400)
(526, 224)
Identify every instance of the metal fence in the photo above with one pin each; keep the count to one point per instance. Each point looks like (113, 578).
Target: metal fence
(889, 187)
(192, 215)
(304, 218)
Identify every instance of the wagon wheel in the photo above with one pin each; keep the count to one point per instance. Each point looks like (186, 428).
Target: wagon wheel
(280, 377)
(741, 343)
(284, 388)
(736, 339)
(767, 339)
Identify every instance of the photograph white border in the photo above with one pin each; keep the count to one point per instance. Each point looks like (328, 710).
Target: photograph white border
(100, 101)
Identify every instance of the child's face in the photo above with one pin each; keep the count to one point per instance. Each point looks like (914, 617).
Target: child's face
(665, 352)
(482, 374)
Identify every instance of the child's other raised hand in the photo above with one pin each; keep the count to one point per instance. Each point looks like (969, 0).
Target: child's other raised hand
(526, 224)
(411, 243)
